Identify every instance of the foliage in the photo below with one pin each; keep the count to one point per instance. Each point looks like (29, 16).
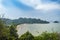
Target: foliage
(43, 36)
(47, 36)
(13, 32)
(27, 36)
(4, 32)
(7, 33)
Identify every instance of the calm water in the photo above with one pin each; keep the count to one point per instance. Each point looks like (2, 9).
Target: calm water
(37, 29)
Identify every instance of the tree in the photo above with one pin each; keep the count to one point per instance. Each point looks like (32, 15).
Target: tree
(4, 32)
(47, 36)
(27, 36)
(13, 33)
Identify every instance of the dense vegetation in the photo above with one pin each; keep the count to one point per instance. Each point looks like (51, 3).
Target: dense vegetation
(10, 33)
(48, 36)
(27, 36)
(7, 33)
(24, 20)
(43, 36)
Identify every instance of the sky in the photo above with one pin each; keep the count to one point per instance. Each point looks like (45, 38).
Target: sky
(42, 9)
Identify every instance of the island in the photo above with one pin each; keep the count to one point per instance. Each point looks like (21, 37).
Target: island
(56, 21)
(25, 21)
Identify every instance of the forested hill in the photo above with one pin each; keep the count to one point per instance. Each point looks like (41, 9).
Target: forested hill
(29, 21)
(24, 20)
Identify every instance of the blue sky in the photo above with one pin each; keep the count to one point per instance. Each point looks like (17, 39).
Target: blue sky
(43, 9)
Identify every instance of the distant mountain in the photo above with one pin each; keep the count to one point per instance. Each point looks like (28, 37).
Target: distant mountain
(6, 21)
(24, 20)
(29, 21)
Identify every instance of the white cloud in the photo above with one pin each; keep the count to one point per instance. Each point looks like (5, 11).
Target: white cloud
(47, 6)
(37, 4)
